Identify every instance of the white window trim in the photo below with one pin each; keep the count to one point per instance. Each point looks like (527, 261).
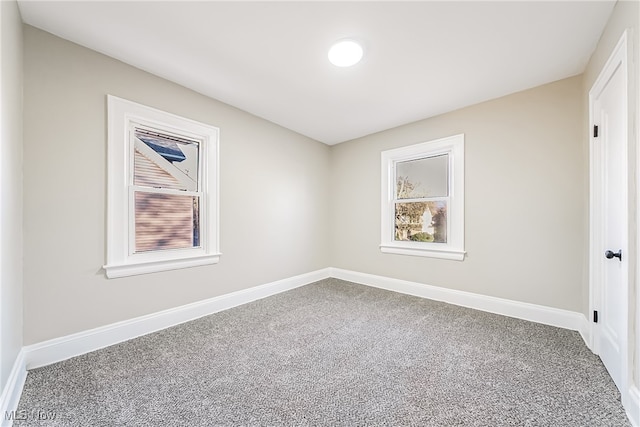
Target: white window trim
(454, 248)
(121, 259)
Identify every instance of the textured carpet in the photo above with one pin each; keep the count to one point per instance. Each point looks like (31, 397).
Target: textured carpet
(333, 353)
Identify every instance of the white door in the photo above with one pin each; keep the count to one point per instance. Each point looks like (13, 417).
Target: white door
(609, 291)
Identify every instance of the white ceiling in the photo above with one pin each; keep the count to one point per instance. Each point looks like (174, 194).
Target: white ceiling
(270, 58)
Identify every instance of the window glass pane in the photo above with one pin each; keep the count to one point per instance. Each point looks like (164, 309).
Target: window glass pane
(166, 221)
(428, 177)
(421, 221)
(163, 161)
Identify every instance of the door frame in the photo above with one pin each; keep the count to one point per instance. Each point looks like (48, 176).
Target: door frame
(617, 59)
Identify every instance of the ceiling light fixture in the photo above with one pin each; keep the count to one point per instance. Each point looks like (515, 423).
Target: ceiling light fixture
(345, 53)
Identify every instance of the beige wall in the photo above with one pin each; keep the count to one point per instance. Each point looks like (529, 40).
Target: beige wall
(273, 195)
(525, 199)
(626, 15)
(10, 187)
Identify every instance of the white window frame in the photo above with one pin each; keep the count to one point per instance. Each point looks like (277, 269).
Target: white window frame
(122, 260)
(452, 146)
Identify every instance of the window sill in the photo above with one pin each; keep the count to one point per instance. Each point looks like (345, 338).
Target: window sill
(132, 269)
(452, 254)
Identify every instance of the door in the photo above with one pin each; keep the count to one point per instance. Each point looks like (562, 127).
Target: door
(609, 258)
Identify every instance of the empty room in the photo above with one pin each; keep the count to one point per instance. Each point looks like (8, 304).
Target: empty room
(321, 213)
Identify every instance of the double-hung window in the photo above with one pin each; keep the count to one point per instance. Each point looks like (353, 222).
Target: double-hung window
(162, 191)
(423, 199)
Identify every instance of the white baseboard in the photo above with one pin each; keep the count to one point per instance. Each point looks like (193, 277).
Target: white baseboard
(585, 331)
(58, 349)
(536, 313)
(633, 406)
(13, 390)
(63, 348)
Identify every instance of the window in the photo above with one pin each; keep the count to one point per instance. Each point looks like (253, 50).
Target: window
(423, 199)
(162, 211)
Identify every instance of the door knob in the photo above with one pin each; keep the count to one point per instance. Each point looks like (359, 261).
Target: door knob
(611, 254)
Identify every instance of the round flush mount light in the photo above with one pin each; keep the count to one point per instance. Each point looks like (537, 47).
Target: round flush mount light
(345, 53)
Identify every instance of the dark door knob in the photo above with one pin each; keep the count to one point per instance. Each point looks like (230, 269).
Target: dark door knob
(611, 254)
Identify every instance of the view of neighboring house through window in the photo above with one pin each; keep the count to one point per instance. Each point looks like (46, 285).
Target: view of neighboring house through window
(162, 207)
(423, 199)
(166, 191)
(422, 196)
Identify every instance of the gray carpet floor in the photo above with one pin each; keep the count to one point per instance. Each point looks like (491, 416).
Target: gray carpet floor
(333, 353)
